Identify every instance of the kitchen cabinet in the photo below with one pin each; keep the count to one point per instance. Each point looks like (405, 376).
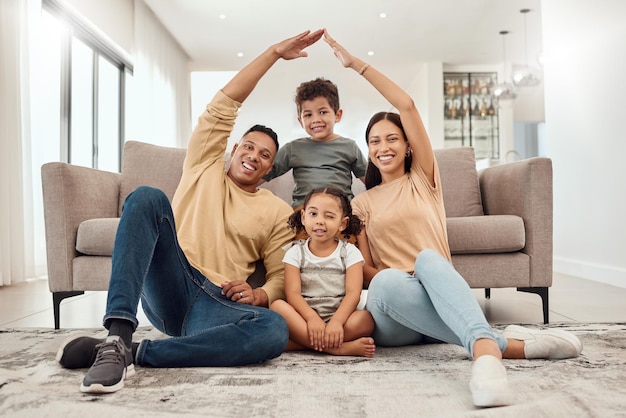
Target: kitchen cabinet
(470, 113)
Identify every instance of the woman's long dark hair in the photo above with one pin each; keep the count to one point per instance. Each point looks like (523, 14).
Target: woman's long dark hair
(372, 174)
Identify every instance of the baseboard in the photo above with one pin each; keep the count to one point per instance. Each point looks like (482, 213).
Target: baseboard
(590, 271)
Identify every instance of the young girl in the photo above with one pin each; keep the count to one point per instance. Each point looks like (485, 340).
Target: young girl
(324, 278)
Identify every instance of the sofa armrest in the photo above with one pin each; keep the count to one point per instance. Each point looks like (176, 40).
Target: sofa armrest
(524, 188)
(71, 195)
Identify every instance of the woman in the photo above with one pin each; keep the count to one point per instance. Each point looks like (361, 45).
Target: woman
(419, 300)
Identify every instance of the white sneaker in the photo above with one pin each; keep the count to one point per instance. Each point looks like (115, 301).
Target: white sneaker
(546, 344)
(489, 384)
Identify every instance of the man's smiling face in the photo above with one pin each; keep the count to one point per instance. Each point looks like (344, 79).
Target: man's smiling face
(251, 159)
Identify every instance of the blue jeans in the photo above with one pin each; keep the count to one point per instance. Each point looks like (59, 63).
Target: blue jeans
(433, 304)
(208, 329)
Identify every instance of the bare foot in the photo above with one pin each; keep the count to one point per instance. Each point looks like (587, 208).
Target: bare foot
(363, 347)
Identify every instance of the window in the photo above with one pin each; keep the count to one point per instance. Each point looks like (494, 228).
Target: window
(85, 84)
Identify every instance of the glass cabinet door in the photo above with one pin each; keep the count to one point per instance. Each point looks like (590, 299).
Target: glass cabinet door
(470, 115)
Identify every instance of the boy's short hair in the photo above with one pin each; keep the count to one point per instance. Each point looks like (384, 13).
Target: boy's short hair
(319, 87)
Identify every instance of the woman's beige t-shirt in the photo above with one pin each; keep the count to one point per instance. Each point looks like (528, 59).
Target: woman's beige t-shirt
(402, 218)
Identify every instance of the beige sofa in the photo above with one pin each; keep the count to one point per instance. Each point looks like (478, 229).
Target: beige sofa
(499, 219)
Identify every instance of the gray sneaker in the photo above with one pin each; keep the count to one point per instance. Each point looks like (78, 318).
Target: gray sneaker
(114, 363)
(79, 351)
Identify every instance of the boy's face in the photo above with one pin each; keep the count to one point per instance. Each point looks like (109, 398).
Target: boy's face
(318, 119)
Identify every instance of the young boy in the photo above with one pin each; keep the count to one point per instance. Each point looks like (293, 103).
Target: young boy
(324, 158)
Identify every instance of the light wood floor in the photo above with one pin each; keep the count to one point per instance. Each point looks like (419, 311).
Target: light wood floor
(571, 300)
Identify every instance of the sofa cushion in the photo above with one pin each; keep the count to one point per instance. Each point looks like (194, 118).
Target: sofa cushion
(459, 181)
(96, 236)
(91, 272)
(150, 165)
(486, 234)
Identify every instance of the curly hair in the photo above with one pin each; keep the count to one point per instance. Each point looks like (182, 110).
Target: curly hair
(355, 225)
(319, 87)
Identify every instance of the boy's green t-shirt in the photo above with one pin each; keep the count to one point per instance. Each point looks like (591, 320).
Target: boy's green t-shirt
(317, 164)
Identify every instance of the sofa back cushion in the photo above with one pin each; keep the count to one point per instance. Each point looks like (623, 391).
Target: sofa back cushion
(161, 167)
(459, 181)
(150, 165)
(459, 178)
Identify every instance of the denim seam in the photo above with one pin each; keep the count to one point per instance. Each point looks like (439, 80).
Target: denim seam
(166, 221)
(471, 339)
(140, 352)
(183, 326)
(227, 302)
(121, 315)
(224, 302)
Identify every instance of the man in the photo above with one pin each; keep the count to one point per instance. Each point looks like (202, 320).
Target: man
(191, 274)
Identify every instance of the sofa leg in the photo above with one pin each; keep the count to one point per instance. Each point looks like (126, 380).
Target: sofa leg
(543, 292)
(57, 297)
(487, 293)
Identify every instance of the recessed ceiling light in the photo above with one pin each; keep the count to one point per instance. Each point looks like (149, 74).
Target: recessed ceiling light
(383, 15)
(222, 16)
(240, 54)
(370, 53)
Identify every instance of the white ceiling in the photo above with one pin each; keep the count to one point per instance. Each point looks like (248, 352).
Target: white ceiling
(449, 31)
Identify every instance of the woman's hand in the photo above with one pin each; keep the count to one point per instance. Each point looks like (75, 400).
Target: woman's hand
(340, 52)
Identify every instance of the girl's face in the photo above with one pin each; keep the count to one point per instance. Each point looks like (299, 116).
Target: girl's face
(387, 148)
(322, 217)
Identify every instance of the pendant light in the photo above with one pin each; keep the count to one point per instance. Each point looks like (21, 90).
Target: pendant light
(503, 93)
(526, 76)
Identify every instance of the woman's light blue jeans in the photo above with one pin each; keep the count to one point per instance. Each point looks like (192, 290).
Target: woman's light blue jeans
(208, 329)
(433, 304)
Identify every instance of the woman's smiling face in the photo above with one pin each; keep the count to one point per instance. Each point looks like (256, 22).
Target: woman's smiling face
(387, 148)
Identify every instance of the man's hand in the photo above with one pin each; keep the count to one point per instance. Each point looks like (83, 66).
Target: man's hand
(294, 47)
(241, 292)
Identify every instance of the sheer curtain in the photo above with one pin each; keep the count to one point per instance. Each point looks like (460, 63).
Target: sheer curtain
(17, 259)
(159, 92)
(158, 111)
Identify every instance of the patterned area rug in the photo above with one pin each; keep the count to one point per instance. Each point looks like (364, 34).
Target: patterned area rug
(426, 381)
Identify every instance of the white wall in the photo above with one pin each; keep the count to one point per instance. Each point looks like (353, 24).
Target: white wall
(585, 132)
(426, 90)
(272, 101)
(114, 18)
